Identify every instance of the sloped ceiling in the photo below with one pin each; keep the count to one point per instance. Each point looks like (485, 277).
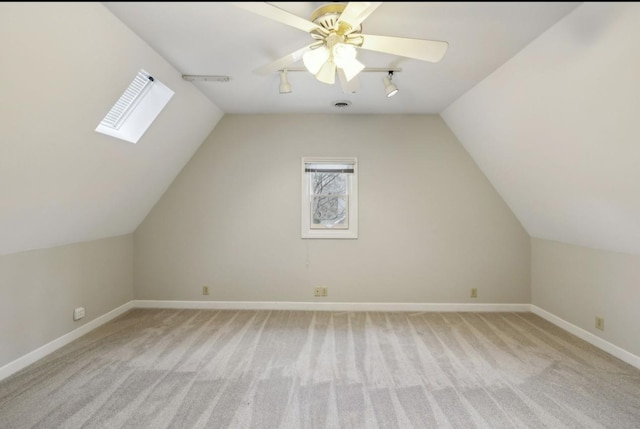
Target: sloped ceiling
(62, 67)
(218, 38)
(557, 129)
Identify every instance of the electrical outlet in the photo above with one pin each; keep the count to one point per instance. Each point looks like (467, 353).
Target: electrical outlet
(600, 323)
(78, 313)
(474, 293)
(320, 291)
(205, 290)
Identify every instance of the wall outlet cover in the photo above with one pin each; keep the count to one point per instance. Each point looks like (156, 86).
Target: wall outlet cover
(320, 291)
(78, 313)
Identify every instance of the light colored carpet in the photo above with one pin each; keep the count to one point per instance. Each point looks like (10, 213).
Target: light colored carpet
(296, 369)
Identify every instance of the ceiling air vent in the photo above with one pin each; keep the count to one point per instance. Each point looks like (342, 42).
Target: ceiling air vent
(136, 108)
(341, 104)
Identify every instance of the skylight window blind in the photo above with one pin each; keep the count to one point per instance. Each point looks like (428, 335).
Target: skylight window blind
(128, 101)
(136, 109)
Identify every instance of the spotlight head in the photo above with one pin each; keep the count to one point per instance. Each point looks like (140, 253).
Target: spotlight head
(285, 86)
(389, 88)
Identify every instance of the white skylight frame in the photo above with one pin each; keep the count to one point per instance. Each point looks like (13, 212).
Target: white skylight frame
(136, 109)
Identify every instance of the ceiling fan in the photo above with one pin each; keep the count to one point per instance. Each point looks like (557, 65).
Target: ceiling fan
(337, 32)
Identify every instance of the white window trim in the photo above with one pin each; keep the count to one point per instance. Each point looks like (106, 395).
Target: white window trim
(352, 230)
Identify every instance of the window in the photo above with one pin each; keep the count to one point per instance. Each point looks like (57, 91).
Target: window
(329, 197)
(136, 108)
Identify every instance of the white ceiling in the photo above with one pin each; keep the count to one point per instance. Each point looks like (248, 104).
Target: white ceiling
(217, 38)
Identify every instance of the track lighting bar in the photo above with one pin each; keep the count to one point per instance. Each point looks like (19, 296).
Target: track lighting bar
(389, 87)
(364, 70)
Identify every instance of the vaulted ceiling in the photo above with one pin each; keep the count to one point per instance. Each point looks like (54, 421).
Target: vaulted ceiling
(544, 96)
(63, 66)
(556, 129)
(218, 38)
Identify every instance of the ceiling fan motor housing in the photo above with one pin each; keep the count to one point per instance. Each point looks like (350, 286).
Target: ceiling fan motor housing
(327, 16)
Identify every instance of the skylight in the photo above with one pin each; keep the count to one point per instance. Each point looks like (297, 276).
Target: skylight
(136, 109)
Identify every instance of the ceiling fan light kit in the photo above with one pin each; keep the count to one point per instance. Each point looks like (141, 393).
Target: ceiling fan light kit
(337, 50)
(337, 32)
(314, 59)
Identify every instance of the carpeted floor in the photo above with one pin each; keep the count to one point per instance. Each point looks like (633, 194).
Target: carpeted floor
(296, 369)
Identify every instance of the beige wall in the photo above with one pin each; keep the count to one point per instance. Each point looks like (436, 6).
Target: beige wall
(431, 226)
(578, 283)
(39, 290)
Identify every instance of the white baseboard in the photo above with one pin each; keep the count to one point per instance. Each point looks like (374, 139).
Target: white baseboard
(39, 353)
(587, 336)
(331, 306)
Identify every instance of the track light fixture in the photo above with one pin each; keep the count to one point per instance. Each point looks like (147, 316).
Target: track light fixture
(285, 86)
(389, 88)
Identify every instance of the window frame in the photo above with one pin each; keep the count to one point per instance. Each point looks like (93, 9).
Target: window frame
(310, 231)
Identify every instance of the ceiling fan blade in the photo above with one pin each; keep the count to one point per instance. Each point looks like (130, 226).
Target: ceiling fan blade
(356, 12)
(283, 62)
(272, 12)
(425, 50)
(348, 87)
